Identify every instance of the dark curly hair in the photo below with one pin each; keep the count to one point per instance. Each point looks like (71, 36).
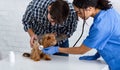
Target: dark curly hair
(100, 4)
(59, 11)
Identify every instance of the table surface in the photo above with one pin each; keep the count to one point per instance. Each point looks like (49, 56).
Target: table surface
(57, 63)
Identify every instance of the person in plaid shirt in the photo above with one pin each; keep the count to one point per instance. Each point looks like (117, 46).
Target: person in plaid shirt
(50, 16)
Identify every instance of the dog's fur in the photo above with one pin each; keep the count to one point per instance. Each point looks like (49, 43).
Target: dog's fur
(46, 41)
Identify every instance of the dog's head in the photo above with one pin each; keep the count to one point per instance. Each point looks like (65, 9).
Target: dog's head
(49, 40)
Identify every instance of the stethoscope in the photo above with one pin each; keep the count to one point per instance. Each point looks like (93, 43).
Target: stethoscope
(84, 21)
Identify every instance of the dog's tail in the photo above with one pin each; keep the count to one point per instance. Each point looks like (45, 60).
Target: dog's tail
(26, 54)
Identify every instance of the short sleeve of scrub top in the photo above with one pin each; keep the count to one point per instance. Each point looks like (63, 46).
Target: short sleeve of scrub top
(99, 32)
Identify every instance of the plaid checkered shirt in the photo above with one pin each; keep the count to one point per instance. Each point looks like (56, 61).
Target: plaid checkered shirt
(35, 17)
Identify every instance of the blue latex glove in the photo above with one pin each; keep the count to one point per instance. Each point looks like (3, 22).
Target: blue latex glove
(94, 57)
(51, 50)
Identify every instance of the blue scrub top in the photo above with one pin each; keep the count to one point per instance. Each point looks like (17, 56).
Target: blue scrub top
(104, 35)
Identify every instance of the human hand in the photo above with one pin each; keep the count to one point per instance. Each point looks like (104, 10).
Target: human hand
(51, 50)
(93, 57)
(34, 37)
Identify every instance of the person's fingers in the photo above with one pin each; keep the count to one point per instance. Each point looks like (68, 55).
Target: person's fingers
(32, 41)
(85, 58)
(31, 45)
(34, 37)
(88, 58)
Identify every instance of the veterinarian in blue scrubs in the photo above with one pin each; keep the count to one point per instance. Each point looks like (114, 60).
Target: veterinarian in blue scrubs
(104, 34)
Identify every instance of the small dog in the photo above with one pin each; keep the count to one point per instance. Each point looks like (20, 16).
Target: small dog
(46, 41)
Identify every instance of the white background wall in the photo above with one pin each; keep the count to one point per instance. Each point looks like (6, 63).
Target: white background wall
(12, 35)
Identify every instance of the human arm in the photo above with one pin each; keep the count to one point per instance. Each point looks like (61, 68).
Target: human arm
(33, 37)
(28, 21)
(72, 50)
(75, 50)
(30, 32)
